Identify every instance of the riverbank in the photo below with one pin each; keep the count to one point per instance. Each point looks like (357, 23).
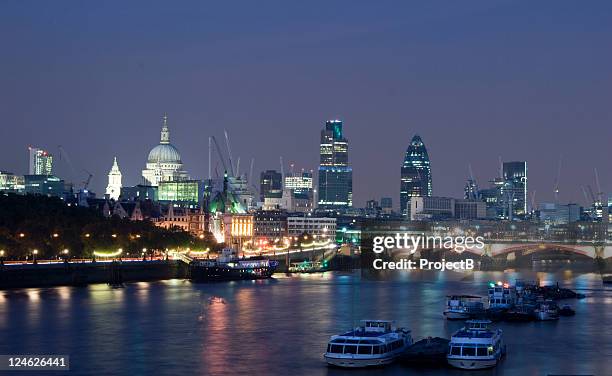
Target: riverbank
(79, 274)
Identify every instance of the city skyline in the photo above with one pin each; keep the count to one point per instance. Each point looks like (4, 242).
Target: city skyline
(477, 82)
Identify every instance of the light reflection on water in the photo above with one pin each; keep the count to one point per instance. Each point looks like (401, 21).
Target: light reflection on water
(281, 326)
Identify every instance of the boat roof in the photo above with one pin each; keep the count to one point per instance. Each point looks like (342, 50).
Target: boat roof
(463, 333)
(387, 321)
(362, 333)
(478, 321)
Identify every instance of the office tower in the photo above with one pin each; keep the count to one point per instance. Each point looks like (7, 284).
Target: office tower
(335, 175)
(113, 189)
(164, 161)
(415, 174)
(270, 180)
(299, 182)
(515, 189)
(41, 162)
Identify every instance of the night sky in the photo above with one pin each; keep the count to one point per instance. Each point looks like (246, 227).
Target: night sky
(524, 80)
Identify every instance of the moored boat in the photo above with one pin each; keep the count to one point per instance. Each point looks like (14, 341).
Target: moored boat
(501, 295)
(228, 267)
(374, 343)
(476, 346)
(462, 307)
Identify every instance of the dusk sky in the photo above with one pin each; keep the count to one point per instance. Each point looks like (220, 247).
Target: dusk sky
(524, 80)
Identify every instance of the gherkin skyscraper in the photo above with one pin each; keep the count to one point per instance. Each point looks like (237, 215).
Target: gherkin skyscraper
(416, 174)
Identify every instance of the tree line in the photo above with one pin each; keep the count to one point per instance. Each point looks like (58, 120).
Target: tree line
(48, 227)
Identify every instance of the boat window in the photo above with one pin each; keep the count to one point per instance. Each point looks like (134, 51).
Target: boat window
(350, 349)
(338, 340)
(481, 351)
(469, 351)
(368, 342)
(364, 350)
(337, 349)
(376, 350)
(352, 341)
(456, 350)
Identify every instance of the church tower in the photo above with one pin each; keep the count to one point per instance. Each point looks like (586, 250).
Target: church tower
(113, 189)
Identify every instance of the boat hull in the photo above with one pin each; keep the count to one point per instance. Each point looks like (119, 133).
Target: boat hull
(465, 363)
(219, 273)
(346, 362)
(453, 315)
(546, 316)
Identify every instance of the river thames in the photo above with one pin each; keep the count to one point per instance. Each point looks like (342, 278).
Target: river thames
(281, 326)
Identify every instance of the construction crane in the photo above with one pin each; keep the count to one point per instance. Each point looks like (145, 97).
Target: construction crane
(251, 171)
(599, 192)
(88, 180)
(63, 154)
(229, 153)
(216, 144)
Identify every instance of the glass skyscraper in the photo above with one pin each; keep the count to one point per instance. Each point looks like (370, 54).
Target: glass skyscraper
(416, 174)
(515, 189)
(335, 175)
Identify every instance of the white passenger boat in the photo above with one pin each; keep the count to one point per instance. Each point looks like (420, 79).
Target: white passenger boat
(501, 295)
(374, 343)
(475, 346)
(462, 307)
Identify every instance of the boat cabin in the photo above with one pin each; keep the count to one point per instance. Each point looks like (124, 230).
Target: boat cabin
(376, 326)
(501, 295)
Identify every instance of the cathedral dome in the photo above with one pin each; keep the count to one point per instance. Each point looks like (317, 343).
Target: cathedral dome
(164, 153)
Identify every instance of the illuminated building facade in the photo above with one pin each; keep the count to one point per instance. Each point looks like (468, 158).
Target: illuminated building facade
(186, 219)
(320, 226)
(299, 182)
(188, 192)
(41, 162)
(113, 189)
(10, 182)
(269, 225)
(415, 174)
(335, 174)
(164, 161)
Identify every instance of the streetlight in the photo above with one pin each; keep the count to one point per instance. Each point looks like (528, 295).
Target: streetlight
(21, 235)
(34, 253)
(1, 256)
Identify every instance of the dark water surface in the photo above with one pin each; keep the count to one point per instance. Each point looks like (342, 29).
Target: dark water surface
(281, 326)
